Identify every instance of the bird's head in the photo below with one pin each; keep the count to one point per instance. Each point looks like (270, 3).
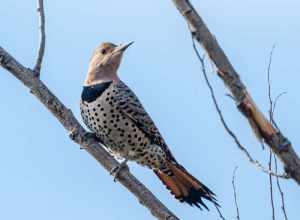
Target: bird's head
(105, 62)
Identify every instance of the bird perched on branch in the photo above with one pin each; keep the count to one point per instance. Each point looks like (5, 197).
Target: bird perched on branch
(113, 112)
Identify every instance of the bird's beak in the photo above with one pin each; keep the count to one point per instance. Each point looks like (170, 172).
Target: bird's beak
(123, 47)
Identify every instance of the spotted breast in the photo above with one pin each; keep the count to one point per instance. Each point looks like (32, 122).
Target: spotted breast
(102, 110)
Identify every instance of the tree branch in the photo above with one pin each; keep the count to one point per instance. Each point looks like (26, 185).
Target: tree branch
(272, 121)
(42, 39)
(222, 119)
(265, 131)
(81, 137)
(234, 194)
(271, 187)
(281, 192)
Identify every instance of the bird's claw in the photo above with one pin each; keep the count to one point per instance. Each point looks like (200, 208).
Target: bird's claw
(90, 135)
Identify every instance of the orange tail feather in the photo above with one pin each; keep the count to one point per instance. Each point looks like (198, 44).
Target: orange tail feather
(185, 187)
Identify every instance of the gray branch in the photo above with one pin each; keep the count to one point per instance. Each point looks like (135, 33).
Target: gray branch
(81, 137)
(42, 39)
(263, 129)
(225, 125)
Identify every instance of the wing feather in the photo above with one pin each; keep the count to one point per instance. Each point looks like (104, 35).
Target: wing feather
(132, 108)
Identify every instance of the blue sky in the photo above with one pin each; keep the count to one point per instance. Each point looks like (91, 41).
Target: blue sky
(45, 175)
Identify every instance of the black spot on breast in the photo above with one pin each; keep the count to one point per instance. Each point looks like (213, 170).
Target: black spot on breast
(91, 93)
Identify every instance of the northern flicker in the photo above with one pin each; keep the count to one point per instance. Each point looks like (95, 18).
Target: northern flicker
(112, 111)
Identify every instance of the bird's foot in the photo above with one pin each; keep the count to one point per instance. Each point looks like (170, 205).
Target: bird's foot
(90, 135)
(116, 170)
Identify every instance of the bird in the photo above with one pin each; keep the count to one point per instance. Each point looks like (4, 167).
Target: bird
(112, 111)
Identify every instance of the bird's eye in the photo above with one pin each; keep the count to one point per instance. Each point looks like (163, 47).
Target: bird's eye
(103, 51)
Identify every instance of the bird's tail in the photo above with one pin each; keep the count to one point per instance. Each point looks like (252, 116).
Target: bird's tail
(185, 187)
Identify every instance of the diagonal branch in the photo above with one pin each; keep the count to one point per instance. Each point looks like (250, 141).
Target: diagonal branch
(222, 119)
(42, 39)
(81, 137)
(264, 130)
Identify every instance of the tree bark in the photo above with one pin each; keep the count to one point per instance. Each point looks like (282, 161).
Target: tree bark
(263, 129)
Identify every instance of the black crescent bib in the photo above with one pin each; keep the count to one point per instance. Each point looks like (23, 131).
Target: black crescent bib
(91, 93)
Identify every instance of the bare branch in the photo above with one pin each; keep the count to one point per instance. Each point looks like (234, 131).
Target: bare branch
(219, 212)
(269, 84)
(229, 131)
(271, 187)
(42, 39)
(264, 130)
(271, 102)
(234, 193)
(281, 192)
(81, 137)
(274, 107)
(271, 118)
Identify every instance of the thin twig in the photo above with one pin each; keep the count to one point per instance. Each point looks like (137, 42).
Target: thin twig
(271, 118)
(229, 131)
(271, 102)
(273, 122)
(269, 83)
(42, 39)
(219, 212)
(234, 193)
(271, 187)
(274, 107)
(280, 191)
